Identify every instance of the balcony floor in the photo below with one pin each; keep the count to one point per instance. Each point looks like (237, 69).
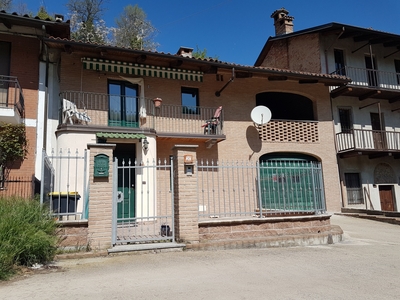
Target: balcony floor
(364, 92)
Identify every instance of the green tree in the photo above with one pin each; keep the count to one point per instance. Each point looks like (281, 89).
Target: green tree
(134, 30)
(43, 14)
(13, 146)
(5, 4)
(202, 54)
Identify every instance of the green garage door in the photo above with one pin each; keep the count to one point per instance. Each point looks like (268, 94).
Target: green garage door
(291, 182)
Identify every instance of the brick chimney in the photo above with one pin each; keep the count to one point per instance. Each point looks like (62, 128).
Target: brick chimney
(282, 22)
(185, 52)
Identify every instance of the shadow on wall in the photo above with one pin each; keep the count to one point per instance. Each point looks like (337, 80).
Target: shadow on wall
(253, 140)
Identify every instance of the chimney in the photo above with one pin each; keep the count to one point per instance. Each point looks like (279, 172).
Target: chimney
(59, 18)
(185, 52)
(282, 22)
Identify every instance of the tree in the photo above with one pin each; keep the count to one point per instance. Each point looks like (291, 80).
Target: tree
(86, 22)
(87, 10)
(13, 147)
(43, 14)
(202, 54)
(133, 30)
(5, 4)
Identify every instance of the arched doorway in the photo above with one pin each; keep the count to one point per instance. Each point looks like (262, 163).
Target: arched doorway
(291, 182)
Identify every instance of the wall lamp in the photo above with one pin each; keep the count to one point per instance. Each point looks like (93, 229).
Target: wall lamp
(145, 144)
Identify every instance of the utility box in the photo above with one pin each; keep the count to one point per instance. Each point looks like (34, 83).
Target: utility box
(101, 165)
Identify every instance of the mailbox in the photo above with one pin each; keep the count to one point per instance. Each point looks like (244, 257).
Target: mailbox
(101, 165)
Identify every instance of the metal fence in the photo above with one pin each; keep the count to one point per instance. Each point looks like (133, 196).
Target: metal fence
(64, 186)
(143, 197)
(20, 186)
(371, 77)
(240, 189)
(11, 94)
(166, 118)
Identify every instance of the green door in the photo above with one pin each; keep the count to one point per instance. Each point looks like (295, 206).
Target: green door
(126, 186)
(291, 184)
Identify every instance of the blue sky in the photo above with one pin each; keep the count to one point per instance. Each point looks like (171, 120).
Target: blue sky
(236, 30)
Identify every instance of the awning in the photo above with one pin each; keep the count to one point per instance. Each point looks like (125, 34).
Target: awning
(140, 70)
(116, 135)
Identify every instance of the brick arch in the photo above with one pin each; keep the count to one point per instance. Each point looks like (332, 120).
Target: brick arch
(384, 173)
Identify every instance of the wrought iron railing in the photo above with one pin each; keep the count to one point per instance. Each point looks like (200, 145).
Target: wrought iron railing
(11, 95)
(240, 189)
(93, 109)
(371, 78)
(363, 139)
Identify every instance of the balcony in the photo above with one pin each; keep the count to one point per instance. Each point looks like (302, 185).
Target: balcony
(169, 121)
(374, 143)
(369, 83)
(11, 100)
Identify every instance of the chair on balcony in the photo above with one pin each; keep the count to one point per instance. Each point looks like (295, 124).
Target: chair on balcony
(71, 113)
(210, 126)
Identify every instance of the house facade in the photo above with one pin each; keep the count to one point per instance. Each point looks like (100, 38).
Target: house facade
(23, 92)
(365, 111)
(136, 146)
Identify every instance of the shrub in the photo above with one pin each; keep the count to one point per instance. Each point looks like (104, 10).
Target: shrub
(28, 234)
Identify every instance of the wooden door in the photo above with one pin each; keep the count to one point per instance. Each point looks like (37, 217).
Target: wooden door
(377, 132)
(372, 75)
(386, 197)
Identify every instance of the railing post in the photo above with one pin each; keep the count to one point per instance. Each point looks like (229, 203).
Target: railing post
(258, 167)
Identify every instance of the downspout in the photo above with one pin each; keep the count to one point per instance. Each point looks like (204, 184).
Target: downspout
(337, 156)
(46, 91)
(327, 49)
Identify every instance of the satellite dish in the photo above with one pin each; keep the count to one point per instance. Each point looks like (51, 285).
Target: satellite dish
(261, 115)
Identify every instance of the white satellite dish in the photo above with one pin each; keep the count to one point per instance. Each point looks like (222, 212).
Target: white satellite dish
(261, 115)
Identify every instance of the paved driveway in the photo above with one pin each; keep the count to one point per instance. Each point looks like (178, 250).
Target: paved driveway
(365, 266)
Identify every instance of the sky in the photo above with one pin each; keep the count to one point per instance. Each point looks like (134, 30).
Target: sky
(235, 31)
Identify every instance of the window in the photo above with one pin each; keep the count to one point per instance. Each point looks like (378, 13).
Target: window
(5, 53)
(190, 100)
(397, 68)
(346, 123)
(353, 188)
(339, 62)
(123, 104)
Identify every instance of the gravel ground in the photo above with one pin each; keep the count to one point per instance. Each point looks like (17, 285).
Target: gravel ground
(366, 265)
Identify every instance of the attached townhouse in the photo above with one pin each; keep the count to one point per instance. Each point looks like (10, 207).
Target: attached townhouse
(23, 92)
(154, 146)
(365, 111)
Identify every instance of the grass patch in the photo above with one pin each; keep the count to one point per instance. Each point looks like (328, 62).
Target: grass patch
(28, 234)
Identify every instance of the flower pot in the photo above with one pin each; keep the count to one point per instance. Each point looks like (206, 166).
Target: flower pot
(157, 102)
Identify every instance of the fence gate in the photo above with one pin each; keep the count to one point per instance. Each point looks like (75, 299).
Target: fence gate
(143, 196)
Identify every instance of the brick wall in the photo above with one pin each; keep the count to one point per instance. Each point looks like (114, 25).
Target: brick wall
(100, 205)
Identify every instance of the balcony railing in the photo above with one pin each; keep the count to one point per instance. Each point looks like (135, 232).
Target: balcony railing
(11, 95)
(93, 109)
(362, 139)
(371, 78)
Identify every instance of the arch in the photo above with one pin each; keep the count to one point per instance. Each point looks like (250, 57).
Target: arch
(384, 173)
(287, 106)
(287, 156)
(291, 182)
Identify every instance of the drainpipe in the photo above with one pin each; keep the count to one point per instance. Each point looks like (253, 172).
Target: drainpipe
(46, 98)
(337, 156)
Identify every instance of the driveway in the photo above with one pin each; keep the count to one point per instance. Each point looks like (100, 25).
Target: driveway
(366, 265)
